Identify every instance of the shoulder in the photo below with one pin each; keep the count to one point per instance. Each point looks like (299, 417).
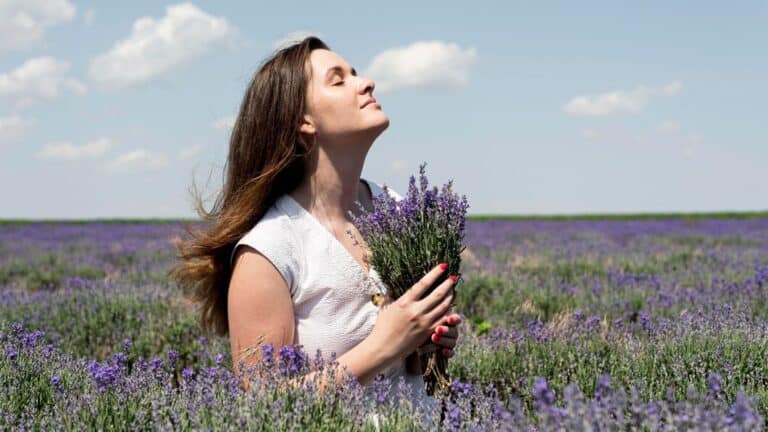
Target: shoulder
(274, 225)
(274, 237)
(378, 189)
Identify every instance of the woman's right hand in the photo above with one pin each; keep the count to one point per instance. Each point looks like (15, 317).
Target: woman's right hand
(406, 323)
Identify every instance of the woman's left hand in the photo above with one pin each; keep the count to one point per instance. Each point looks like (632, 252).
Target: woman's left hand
(447, 333)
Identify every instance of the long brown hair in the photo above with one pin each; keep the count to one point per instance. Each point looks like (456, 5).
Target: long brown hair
(266, 160)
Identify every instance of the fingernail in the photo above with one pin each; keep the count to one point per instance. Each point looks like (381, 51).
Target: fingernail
(435, 338)
(440, 330)
(447, 352)
(443, 266)
(451, 320)
(454, 277)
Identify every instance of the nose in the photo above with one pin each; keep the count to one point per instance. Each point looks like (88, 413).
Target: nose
(366, 84)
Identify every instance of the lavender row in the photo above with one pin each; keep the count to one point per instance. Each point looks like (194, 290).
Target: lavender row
(48, 389)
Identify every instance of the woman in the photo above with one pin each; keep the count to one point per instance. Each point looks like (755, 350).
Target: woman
(277, 265)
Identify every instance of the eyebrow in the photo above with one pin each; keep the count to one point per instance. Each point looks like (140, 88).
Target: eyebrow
(338, 69)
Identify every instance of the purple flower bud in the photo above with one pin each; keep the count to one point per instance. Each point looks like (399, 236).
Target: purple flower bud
(173, 356)
(714, 383)
(55, 381)
(187, 374)
(542, 393)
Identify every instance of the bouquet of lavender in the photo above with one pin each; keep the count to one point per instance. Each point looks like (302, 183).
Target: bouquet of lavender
(408, 238)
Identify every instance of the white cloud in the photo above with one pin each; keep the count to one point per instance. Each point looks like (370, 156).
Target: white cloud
(292, 38)
(619, 100)
(13, 128)
(39, 78)
(68, 151)
(23, 22)
(226, 122)
(421, 64)
(155, 46)
(137, 160)
(189, 152)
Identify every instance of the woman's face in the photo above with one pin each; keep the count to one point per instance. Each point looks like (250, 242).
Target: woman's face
(335, 99)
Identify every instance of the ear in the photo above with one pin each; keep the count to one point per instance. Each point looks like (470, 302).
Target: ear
(307, 126)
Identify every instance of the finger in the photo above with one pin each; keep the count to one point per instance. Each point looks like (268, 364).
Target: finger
(419, 288)
(438, 311)
(444, 330)
(447, 342)
(453, 319)
(447, 319)
(447, 330)
(444, 290)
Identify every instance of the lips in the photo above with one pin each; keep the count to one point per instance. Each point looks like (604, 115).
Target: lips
(371, 100)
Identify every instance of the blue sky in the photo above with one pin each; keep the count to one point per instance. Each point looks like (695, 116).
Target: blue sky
(111, 110)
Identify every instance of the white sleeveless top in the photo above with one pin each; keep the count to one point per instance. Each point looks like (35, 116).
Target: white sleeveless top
(331, 299)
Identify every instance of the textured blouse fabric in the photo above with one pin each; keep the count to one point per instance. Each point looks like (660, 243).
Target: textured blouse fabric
(331, 292)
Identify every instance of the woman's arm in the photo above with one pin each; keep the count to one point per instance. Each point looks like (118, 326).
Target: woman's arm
(261, 312)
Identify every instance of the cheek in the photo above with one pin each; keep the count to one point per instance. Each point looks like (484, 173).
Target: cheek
(332, 112)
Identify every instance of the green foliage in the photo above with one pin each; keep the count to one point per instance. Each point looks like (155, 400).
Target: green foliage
(45, 272)
(654, 365)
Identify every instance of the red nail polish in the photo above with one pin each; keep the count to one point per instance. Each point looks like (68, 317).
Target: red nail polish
(439, 330)
(435, 338)
(443, 266)
(454, 277)
(451, 320)
(446, 352)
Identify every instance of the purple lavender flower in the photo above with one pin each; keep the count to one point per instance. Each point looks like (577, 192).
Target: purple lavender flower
(714, 384)
(454, 416)
(268, 355)
(409, 237)
(381, 388)
(592, 321)
(120, 358)
(460, 388)
(17, 328)
(155, 363)
(603, 387)
(645, 321)
(543, 395)
(173, 356)
(187, 374)
(104, 375)
(29, 340)
(291, 360)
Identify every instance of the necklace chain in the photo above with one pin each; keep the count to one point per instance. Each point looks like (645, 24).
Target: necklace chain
(370, 285)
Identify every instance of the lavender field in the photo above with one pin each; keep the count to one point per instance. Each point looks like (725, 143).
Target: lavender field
(571, 325)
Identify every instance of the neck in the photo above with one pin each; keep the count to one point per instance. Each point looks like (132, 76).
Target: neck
(332, 184)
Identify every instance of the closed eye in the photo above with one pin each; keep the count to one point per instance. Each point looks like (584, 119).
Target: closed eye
(339, 83)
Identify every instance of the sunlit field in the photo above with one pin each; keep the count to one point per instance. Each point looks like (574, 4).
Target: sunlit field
(624, 324)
